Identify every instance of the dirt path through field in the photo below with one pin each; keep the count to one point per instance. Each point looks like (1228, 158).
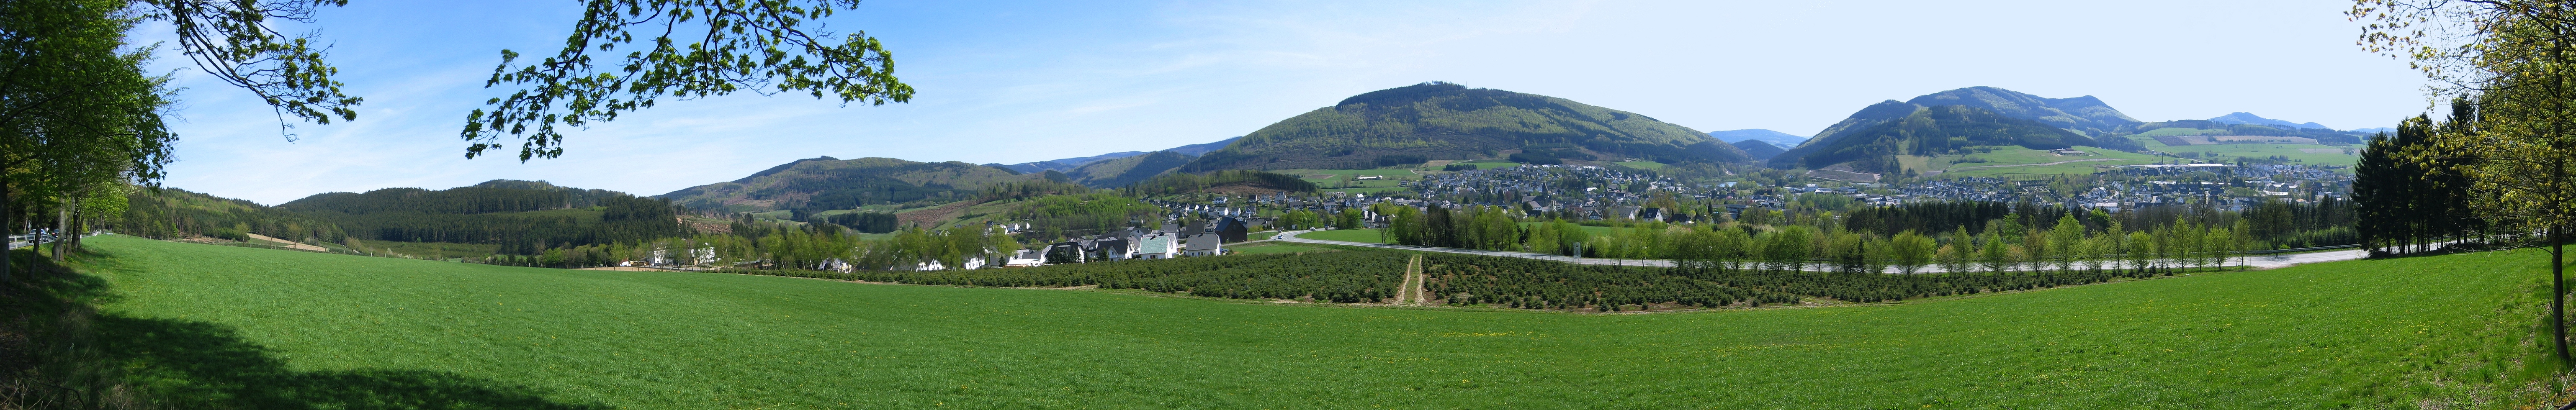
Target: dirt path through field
(1411, 293)
(289, 244)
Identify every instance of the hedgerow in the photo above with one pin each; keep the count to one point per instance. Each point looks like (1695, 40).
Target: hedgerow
(1344, 277)
(1459, 279)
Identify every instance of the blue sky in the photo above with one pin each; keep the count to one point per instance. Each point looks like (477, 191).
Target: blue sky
(1019, 81)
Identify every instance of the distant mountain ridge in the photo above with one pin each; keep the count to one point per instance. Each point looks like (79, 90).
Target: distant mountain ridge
(2249, 118)
(1760, 150)
(1069, 164)
(1775, 138)
(1063, 164)
(1120, 172)
(1439, 121)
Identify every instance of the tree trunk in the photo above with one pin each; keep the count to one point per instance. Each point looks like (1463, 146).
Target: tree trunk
(62, 222)
(2558, 292)
(80, 225)
(7, 258)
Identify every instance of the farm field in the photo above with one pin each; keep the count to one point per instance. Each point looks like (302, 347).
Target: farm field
(1489, 163)
(1644, 165)
(2012, 161)
(1346, 235)
(2322, 155)
(1338, 174)
(1273, 247)
(1371, 190)
(1340, 180)
(433, 250)
(253, 328)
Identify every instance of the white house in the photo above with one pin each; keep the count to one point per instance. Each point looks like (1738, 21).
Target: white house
(1025, 258)
(1156, 246)
(1206, 244)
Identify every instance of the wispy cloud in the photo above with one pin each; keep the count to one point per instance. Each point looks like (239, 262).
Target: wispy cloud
(1018, 81)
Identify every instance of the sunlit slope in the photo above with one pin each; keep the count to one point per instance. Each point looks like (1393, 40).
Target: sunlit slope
(2306, 337)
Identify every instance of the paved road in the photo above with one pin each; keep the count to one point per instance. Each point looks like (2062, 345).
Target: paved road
(2259, 261)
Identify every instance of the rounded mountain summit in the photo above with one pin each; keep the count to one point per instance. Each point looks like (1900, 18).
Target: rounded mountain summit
(1438, 120)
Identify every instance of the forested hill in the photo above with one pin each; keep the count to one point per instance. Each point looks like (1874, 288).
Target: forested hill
(521, 216)
(500, 195)
(2083, 117)
(1924, 131)
(178, 213)
(1437, 121)
(2083, 114)
(827, 183)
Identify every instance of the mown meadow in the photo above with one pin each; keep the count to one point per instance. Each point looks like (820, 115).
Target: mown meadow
(231, 327)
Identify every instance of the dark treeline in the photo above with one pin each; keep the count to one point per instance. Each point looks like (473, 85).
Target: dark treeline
(2325, 222)
(2407, 205)
(614, 219)
(1180, 183)
(869, 222)
(488, 197)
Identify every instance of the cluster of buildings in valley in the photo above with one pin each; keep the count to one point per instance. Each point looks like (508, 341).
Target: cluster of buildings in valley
(1593, 193)
(2229, 187)
(1208, 230)
(1611, 193)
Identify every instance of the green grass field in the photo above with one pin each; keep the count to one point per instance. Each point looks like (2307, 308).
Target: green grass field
(230, 327)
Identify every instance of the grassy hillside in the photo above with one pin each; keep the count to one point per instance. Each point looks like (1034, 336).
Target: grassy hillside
(232, 327)
(1441, 121)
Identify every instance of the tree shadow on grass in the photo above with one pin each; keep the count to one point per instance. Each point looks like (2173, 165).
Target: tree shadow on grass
(191, 364)
(194, 364)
